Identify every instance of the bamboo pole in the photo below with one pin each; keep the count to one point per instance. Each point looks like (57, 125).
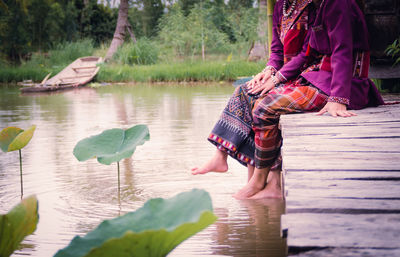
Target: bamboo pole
(270, 12)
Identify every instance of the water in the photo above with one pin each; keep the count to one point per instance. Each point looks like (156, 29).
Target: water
(74, 197)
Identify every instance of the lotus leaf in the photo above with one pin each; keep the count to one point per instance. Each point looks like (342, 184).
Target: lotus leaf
(13, 138)
(17, 224)
(112, 145)
(153, 230)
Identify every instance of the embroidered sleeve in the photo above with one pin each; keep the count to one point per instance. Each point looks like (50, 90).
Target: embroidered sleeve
(340, 100)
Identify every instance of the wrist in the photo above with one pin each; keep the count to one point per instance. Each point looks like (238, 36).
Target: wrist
(275, 80)
(270, 69)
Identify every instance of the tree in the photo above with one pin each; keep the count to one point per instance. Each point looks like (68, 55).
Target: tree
(120, 29)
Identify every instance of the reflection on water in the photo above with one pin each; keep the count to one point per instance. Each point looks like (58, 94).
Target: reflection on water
(74, 197)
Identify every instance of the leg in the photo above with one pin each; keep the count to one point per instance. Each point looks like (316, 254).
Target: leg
(250, 172)
(218, 163)
(255, 185)
(272, 189)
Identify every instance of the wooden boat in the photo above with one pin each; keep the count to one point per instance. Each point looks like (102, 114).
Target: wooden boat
(77, 74)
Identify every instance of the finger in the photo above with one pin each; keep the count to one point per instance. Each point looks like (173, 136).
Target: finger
(265, 91)
(345, 114)
(255, 90)
(322, 111)
(252, 89)
(265, 78)
(333, 113)
(250, 84)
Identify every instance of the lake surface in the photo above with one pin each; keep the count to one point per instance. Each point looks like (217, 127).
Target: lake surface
(74, 197)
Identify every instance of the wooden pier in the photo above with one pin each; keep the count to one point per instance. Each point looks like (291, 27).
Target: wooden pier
(342, 183)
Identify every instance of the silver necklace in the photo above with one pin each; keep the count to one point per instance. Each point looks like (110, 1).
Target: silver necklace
(286, 14)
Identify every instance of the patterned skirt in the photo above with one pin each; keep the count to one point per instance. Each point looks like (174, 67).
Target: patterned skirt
(233, 133)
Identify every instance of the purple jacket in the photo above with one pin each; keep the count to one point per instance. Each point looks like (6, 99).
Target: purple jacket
(340, 31)
(292, 68)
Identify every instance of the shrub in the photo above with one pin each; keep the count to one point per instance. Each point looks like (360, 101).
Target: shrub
(142, 52)
(393, 51)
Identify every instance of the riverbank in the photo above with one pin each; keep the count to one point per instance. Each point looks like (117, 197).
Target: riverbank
(186, 71)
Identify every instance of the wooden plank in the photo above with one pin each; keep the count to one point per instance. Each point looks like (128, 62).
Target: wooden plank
(308, 191)
(342, 230)
(341, 175)
(386, 113)
(312, 203)
(344, 188)
(350, 161)
(344, 252)
(383, 129)
(87, 67)
(77, 76)
(358, 131)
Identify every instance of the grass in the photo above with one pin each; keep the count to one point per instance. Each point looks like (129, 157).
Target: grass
(180, 71)
(10, 74)
(133, 63)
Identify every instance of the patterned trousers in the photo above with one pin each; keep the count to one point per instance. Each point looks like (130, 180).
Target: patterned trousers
(295, 97)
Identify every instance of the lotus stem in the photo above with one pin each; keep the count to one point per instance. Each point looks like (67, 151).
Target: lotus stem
(118, 177)
(20, 172)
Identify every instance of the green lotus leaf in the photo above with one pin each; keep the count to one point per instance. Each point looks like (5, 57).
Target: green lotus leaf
(153, 230)
(22, 139)
(13, 138)
(7, 135)
(112, 145)
(17, 224)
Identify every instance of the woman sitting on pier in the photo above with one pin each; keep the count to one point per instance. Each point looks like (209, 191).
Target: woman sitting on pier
(336, 78)
(233, 133)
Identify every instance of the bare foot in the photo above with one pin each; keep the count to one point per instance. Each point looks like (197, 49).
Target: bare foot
(272, 190)
(255, 185)
(218, 163)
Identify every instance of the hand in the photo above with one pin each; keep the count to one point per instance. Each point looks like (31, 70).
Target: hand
(336, 109)
(263, 88)
(259, 79)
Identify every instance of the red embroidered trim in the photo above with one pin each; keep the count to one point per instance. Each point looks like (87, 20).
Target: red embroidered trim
(222, 142)
(340, 100)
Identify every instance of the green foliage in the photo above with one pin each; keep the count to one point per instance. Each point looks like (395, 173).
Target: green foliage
(152, 12)
(112, 145)
(144, 51)
(13, 138)
(185, 36)
(393, 51)
(62, 55)
(17, 224)
(38, 25)
(14, 37)
(243, 24)
(97, 22)
(153, 230)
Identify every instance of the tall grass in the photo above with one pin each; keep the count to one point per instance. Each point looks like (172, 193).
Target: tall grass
(62, 54)
(142, 52)
(11, 74)
(176, 72)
